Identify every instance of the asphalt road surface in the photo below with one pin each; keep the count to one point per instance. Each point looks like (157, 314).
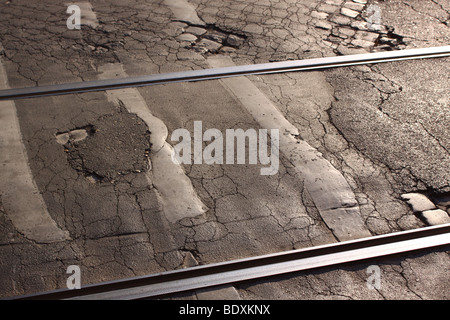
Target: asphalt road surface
(89, 179)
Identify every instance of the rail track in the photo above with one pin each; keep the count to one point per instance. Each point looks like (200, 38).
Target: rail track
(235, 271)
(232, 272)
(217, 73)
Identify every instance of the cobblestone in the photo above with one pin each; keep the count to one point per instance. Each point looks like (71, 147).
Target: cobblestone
(435, 217)
(324, 25)
(187, 37)
(354, 6)
(197, 31)
(271, 32)
(259, 32)
(418, 202)
(349, 12)
(319, 15)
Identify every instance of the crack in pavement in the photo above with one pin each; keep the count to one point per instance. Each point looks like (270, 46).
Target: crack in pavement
(405, 124)
(329, 190)
(307, 104)
(21, 198)
(177, 193)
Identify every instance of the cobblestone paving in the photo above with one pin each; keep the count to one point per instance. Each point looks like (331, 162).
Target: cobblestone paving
(261, 31)
(254, 32)
(281, 30)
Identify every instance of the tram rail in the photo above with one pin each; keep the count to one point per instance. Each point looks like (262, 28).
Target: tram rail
(217, 73)
(265, 266)
(235, 271)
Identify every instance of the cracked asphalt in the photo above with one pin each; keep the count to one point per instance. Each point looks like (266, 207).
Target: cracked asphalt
(98, 162)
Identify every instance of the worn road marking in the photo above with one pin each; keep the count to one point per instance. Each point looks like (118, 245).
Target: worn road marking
(329, 190)
(21, 198)
(88, 16)
(178, 196)
(184, 11)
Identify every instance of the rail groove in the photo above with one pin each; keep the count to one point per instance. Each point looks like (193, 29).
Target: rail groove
(235, 271)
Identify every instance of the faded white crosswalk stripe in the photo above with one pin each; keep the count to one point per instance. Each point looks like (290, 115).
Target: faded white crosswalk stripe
(178, 196)
(328, 188)
(22, 201)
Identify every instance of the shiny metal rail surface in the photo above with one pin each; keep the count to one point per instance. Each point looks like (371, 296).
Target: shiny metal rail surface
(236, 271)
(217, 73)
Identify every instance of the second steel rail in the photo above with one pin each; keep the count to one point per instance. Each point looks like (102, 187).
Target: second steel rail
(236, 271)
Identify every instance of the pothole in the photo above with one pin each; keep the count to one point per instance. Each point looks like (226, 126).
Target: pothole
(211, 39)
(442, 200)
(390, 41)
(110, 147)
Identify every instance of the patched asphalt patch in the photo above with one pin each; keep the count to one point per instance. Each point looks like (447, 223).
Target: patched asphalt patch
(118, 144)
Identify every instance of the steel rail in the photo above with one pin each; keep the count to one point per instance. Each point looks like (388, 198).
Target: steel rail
(217, 73)
(236, 271)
